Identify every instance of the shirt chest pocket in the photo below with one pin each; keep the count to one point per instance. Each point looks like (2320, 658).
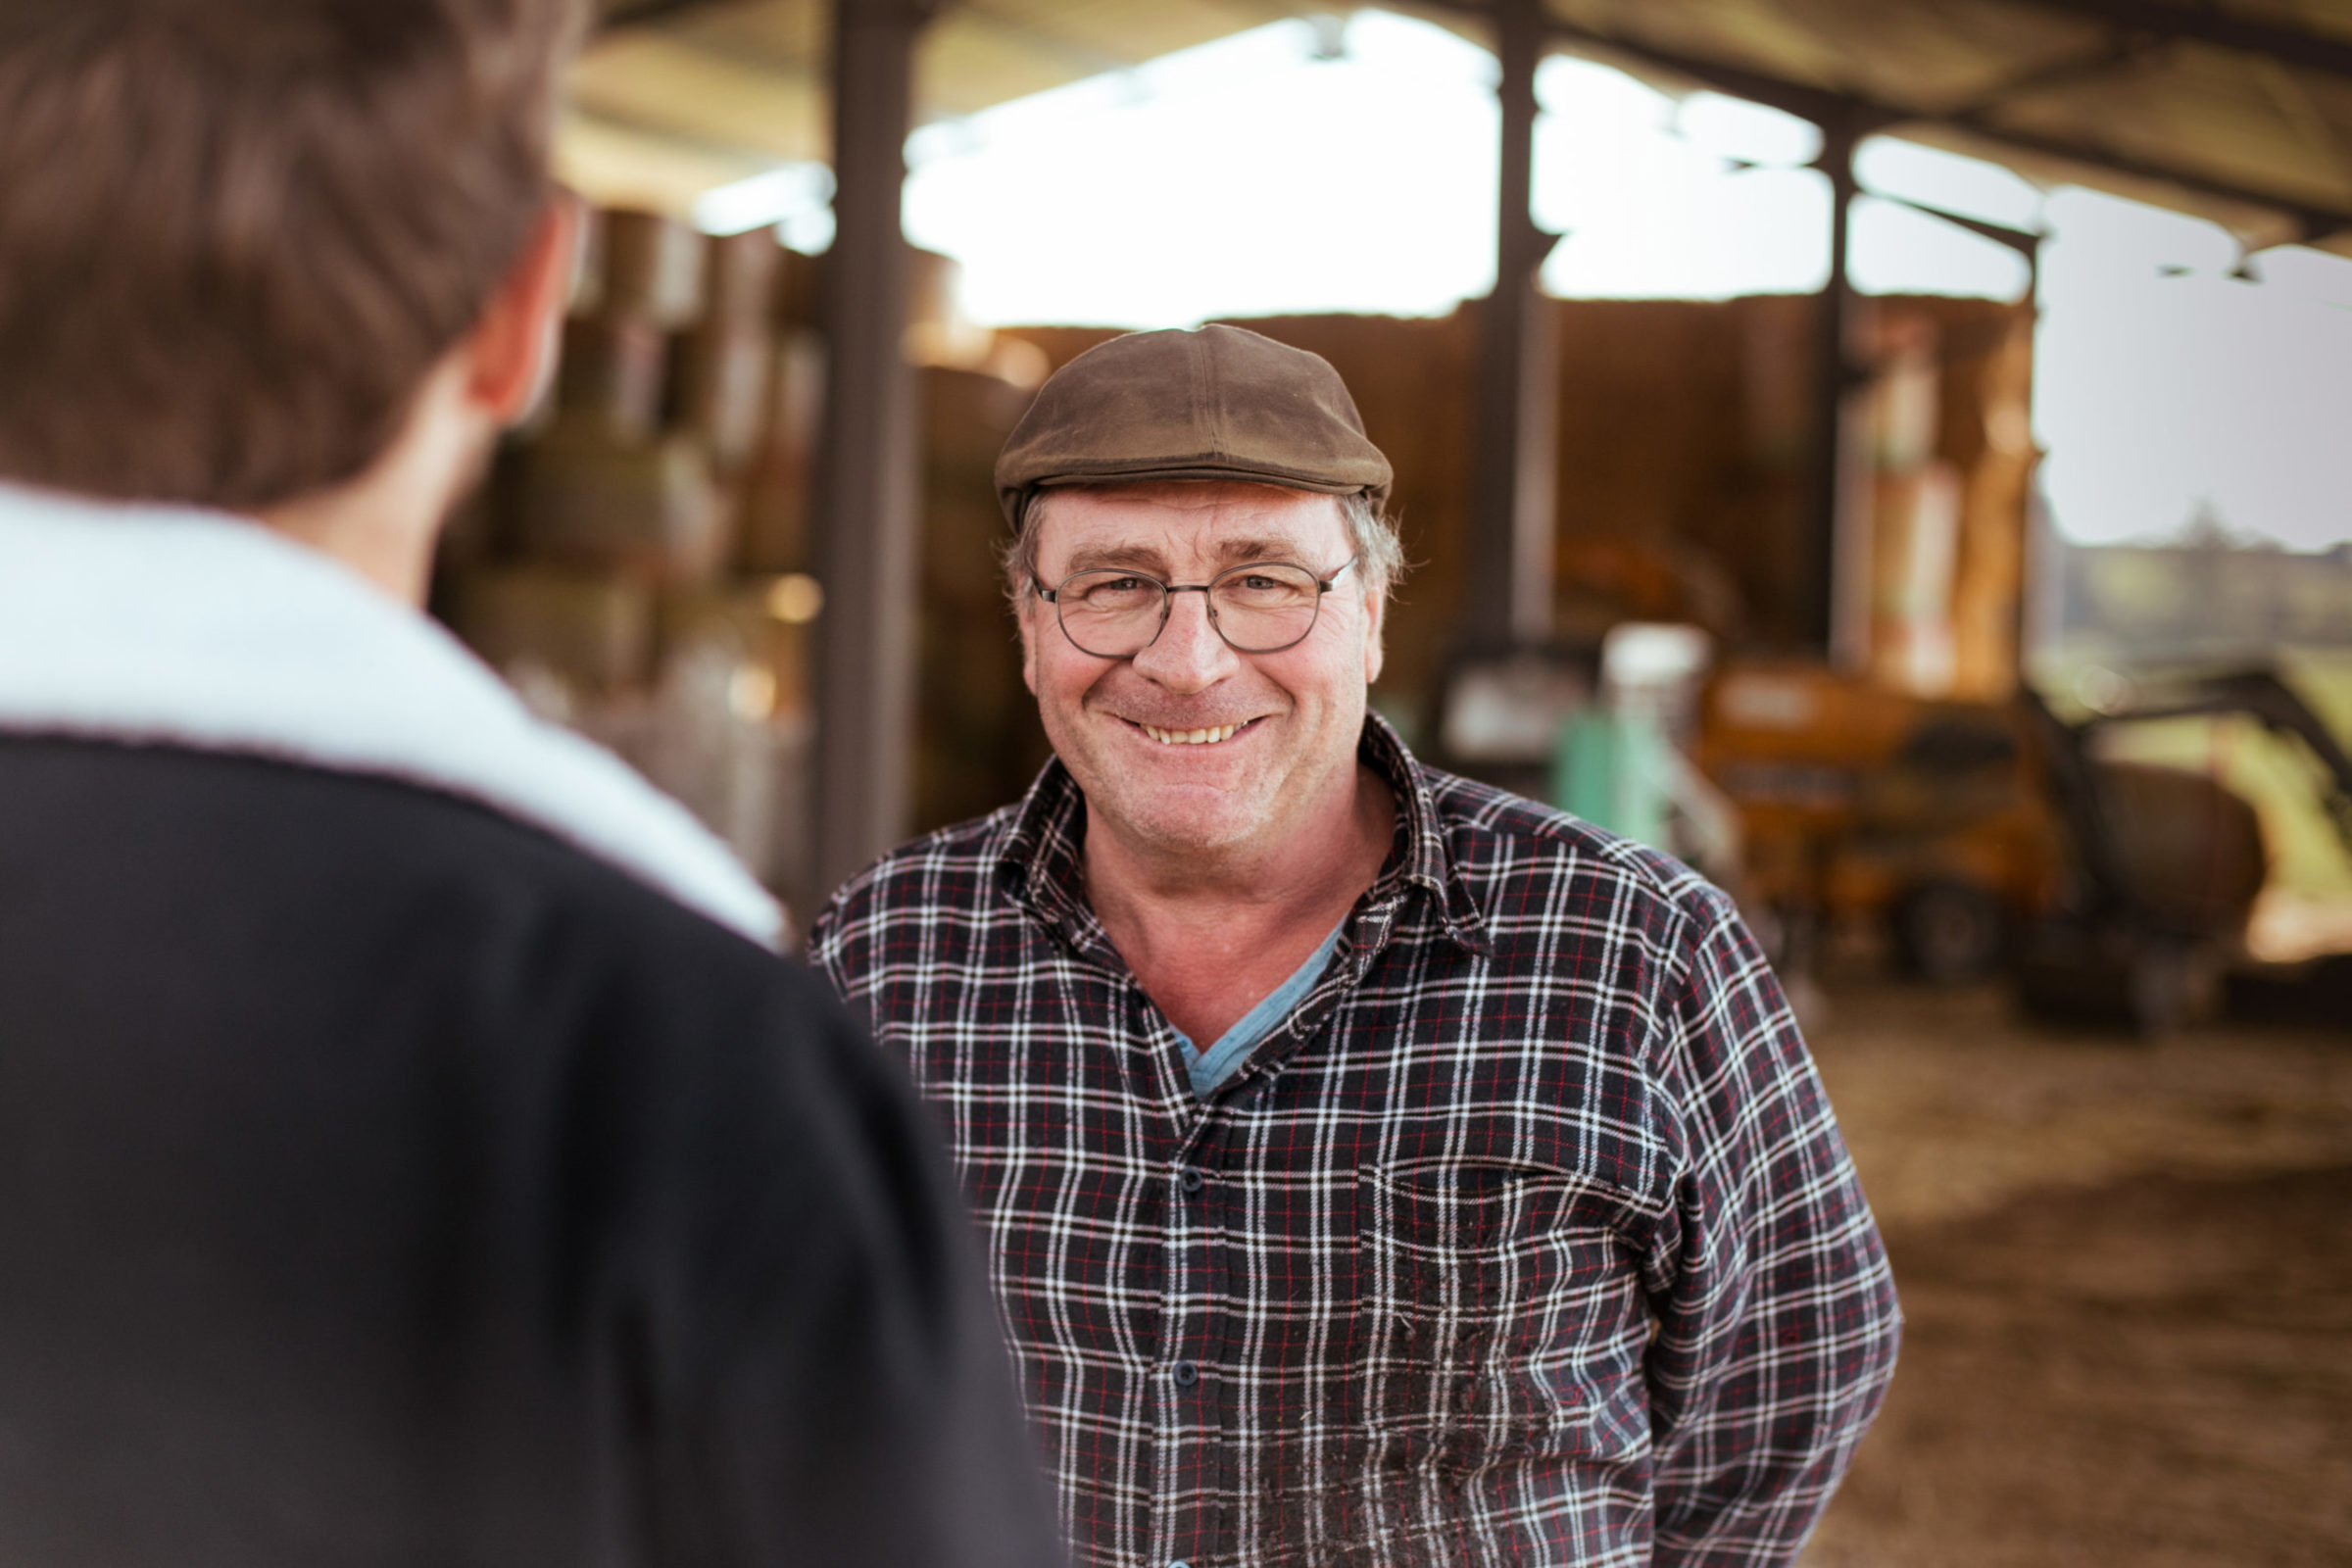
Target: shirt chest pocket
(1501, 1316)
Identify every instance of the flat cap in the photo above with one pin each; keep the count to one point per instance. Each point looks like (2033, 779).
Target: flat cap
(1215, 402)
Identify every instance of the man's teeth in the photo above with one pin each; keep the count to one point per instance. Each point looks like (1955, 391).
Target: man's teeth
(1188, 737)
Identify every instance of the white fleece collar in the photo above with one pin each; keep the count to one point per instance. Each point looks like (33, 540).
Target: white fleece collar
(171, 627)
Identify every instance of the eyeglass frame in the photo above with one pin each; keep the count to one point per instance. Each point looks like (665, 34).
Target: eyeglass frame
(1167, 597)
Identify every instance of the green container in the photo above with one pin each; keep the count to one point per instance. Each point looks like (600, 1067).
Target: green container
(1615, 770)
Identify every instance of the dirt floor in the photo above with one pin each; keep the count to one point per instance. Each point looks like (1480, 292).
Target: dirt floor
(2126, 1272)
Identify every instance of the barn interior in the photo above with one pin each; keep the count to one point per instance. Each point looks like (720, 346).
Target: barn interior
(1767, 580)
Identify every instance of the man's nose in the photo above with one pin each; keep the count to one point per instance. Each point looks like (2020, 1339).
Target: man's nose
(1188, 654)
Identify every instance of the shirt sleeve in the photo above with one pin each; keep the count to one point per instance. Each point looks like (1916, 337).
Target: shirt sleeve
(1777, 1317)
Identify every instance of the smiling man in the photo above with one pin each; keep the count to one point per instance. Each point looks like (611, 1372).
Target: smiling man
(1378, 1168)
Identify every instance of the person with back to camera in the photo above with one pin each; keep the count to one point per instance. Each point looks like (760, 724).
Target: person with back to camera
(1377, 1169)
(413, 1154)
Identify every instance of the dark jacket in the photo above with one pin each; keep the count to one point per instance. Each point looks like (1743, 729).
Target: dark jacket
(386, 1180)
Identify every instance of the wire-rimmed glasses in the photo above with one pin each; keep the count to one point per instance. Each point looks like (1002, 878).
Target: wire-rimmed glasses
(1262, 607)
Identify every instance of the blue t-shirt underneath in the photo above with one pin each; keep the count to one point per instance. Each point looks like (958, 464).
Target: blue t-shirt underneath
(1214, 1065)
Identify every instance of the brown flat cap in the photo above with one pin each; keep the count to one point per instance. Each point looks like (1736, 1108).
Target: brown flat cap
(1219, 403)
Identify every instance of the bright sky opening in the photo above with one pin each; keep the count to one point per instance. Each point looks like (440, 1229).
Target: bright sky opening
(1305, 168)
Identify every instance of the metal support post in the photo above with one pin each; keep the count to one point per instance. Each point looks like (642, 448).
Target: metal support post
(1836, 560)
(869, 478)
(1517, 442)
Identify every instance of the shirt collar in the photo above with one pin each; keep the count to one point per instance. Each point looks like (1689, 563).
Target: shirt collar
(160, 625)
(1038, 866)
(1423, 856)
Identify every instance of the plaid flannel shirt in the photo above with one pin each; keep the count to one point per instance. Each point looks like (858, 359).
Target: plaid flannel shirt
(1527, 1238)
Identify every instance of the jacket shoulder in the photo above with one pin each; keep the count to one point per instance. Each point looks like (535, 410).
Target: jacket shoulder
(332, 862)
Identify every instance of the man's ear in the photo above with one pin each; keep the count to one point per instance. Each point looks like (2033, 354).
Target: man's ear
(511, 354)
(1376, 609)
(1024, 617)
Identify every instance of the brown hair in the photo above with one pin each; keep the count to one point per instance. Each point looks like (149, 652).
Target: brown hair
(235, 235)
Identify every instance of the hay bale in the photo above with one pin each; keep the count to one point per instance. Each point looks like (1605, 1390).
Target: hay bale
(779, 491)
(740, 279)
(611, 374)
(723, 372)
(593, 632)
(649, 508)
(652, 268)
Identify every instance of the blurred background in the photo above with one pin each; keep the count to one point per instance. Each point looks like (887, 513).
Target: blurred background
(1888, 453)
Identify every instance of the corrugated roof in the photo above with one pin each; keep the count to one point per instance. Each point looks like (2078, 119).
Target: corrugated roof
(2237, 110)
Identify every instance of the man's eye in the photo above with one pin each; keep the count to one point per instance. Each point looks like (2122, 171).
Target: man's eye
(1115, 590)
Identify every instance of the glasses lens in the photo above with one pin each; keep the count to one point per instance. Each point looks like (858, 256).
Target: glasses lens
(1265, 608)
(1109, 613)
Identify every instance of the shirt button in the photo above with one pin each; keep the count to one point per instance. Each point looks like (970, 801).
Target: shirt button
(1179, 1563)
(1186, 1374)
(1190, 1180)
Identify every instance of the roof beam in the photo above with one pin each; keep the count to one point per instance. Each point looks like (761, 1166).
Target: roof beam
(1864, 115)
(2022, 241)
(623, 13)
(1820, 104)
(2070, 71)
(629, 123)
(2314, 221)
(795, 67)
(2227, 29)
(1070, 50)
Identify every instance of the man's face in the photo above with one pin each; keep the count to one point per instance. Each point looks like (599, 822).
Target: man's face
(1297, 714)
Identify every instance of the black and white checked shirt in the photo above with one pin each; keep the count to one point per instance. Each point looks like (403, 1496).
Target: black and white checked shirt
(1529, 1238)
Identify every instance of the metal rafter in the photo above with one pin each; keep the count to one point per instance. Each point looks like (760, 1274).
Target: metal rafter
(791, 66)
(1069, 50)
(641, 13)
(2313, 220)
(2292, 94)
(2212, 26)
(2025, 241)
(1831, 107)
(628, 123)
(2070, 71)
